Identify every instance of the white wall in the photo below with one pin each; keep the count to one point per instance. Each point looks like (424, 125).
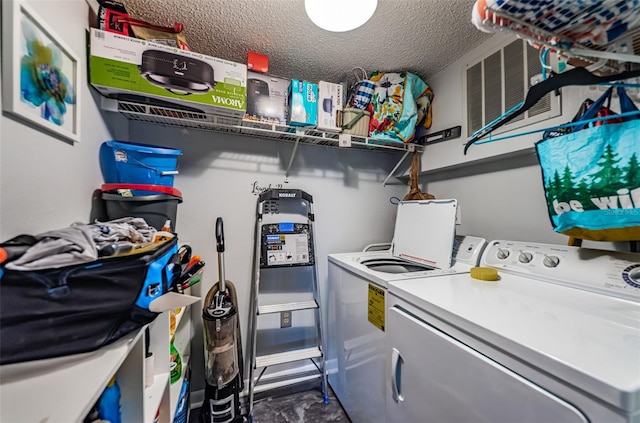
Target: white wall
(498, 185)
(46, 183)
(217, 176)
(449, 110)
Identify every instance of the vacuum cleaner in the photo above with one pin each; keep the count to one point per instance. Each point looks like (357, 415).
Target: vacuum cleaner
(223, 347)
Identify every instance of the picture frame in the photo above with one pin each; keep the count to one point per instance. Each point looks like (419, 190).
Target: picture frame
(40, 74)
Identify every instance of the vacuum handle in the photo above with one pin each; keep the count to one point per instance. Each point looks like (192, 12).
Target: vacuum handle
(220, 247)
(219, 235)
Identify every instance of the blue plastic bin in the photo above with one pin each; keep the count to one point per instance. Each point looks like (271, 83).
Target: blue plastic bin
(132, 163)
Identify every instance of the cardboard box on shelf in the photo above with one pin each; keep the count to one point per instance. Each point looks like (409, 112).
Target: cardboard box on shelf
(125, 67)
(303, 103)
(329, 106)
(266, 98)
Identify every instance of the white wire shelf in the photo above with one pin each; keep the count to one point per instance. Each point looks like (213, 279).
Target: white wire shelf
(210, 122)
(609, 58)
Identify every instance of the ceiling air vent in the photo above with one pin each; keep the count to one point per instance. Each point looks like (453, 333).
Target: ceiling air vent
(500, 81)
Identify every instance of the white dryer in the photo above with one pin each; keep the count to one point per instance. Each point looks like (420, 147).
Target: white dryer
(555, 339)
(357, 303)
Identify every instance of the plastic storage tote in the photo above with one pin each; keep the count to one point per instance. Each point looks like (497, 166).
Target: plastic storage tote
(132, 163)
(154, 209)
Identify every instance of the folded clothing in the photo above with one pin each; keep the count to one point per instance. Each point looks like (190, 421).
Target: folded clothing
(80, 243)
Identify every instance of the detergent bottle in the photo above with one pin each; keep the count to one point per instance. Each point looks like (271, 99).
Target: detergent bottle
(175, 365)
(109, 403)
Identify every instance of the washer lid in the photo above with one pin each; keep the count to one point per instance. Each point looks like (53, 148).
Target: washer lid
(425, 231)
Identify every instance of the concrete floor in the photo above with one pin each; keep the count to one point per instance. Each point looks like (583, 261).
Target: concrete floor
(301, 407)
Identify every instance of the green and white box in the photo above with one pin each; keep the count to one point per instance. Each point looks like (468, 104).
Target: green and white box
(122, 67)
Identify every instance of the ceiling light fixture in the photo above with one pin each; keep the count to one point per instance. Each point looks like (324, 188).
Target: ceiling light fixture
(340, 15)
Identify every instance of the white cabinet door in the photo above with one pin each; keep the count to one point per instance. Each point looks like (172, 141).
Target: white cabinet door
(435, 378)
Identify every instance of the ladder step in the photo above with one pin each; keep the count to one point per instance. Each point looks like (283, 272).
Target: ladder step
(277, 308)
(285, 280)
(288, 356)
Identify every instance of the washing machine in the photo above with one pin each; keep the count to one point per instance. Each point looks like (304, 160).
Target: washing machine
(555, 339)
(424, 246)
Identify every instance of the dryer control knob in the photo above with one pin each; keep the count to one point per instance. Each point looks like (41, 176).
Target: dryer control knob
(551, 261)
(525, 257)
(502, 253)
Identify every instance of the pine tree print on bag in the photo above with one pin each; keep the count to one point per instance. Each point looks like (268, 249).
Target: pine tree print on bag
(591, 178)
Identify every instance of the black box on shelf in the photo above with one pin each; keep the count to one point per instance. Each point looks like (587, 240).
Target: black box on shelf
(266, 98)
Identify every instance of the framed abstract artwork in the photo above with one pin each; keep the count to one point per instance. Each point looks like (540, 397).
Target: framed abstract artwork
(40, 74)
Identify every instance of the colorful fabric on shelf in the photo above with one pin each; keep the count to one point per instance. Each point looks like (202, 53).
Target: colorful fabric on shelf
(400, 102)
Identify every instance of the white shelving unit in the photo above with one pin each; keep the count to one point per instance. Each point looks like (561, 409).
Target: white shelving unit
(80, 378)
(610, 57)
(182, 342)
(139, 111)
(64, 389)
(143, 112)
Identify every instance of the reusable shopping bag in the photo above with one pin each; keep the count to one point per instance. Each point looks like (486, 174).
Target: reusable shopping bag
(359, 93)
(591, 175)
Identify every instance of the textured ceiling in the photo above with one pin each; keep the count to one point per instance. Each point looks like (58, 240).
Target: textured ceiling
(420, 36)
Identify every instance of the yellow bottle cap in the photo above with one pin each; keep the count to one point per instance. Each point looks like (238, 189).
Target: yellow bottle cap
(484, 273)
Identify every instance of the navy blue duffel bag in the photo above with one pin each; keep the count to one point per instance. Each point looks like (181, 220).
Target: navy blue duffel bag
(80, 308)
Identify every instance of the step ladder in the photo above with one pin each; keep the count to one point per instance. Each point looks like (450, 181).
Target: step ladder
(285, 323)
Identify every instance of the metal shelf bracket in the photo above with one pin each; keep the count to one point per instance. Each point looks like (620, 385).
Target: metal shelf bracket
(410, 149)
